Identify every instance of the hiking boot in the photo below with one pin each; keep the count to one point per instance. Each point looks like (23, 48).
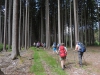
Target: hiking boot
(64, 66)
(80, 65)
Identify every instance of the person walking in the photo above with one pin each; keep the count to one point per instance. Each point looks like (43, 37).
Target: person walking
(44, 45)
(80, 48)
(54, 46)
(34, 44)
(63, 54)
(58, 46)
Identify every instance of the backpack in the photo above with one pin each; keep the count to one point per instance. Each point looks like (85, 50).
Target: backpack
(82, 47)
(62, 51)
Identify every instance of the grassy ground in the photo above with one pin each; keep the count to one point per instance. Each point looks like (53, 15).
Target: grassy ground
(45, 64)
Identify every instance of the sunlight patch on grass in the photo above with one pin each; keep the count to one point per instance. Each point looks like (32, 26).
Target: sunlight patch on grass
(37, 67)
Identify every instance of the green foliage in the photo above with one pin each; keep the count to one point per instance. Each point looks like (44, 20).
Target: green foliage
(1, 47)
(96, 35)
(9, 49)
(97, 43)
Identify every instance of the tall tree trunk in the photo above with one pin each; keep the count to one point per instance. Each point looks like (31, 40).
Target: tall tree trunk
(28, 31)
(75, 22)
(41, 25)
(31, 32)
(85, 25)
(20, 27)
(66, 37)
(5, 25)
(77, 19)
(9, 25)
(54, 27)
(23, 30)
(15, 51)
(81, 32)
(70, 26)
(59, 30)
(47, 25)
(0, 28)
(62, 22)
(26, 20)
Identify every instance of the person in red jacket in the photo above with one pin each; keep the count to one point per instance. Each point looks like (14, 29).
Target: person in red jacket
(63, 54)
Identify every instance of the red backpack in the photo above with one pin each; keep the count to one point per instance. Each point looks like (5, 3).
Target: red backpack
(62, 51)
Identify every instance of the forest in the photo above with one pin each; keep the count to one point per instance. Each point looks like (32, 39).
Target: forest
(23, 22)
(49, 21)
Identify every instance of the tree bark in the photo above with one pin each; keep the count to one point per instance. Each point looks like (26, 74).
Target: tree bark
(41, 26)
(15, 51)
(0, 28)
(75, 22)
(59, 30)
(70, 26)
(47, 25)
(23, 30)
(26, 22)
(9, 25)
(20, 27)
(5, 24)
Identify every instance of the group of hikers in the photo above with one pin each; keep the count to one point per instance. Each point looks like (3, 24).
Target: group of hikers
(39, 44)
(62, 51)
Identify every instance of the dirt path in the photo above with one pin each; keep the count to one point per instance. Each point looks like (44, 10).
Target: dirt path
(91, 62)
(46, 67)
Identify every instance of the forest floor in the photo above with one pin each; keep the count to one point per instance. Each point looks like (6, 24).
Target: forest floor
(21, 66)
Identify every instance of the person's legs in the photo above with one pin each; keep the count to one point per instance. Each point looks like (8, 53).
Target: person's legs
(63, 60)
(62, 64)
(80, 58)
(53, 50)
(56, 51)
